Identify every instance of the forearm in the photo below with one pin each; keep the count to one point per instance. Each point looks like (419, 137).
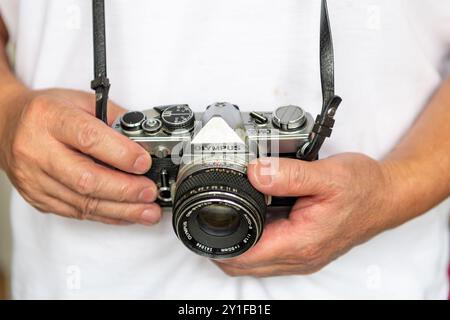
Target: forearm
(11, 89)
(7, 78)
(419, 166)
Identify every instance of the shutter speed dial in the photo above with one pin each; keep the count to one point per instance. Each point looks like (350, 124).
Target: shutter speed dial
(289, 118)
(178, 117)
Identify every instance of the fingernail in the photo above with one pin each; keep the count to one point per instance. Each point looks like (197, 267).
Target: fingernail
(147, 195)
(142, 164)
(148, 217)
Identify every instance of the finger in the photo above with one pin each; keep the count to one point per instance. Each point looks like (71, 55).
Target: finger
(272, 270)
(149, 214)
(82, 175)
(88, 208)
(276, 244)
(114, 112)
(61, 208)
(86, 101)
(92, 137)
(114, 222)
(288, 177)
(260, 272)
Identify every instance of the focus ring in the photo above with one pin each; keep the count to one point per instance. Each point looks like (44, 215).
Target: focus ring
(223, 178)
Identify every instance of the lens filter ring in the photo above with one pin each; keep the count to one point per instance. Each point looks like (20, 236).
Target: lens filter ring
(205, 209)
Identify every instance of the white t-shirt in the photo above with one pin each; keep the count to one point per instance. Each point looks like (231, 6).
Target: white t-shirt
(390, 57)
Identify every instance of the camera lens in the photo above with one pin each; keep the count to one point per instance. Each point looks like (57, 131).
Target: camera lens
(218, 220)
(217, 212)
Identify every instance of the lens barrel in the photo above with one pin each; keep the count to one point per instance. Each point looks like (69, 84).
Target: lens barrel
(217, 213)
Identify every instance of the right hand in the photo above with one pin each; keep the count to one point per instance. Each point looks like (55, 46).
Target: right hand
(48, 145)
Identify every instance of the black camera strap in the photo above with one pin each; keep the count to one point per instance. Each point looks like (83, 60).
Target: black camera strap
(101, 82)
(324, 122)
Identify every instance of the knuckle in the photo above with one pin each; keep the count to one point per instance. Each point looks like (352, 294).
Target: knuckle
(124, 192)
(21, 180)
(86, 183)
(342, 170)
(37, 108)
(37, 105)
(88, 135)
(342, 177)
(89, 208)
(19, 148)
(33, 114)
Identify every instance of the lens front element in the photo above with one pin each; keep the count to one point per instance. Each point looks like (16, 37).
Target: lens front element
(218, 213)
(218, 220)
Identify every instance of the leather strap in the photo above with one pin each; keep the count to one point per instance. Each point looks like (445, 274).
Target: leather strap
(330, 102)
(326, 56)
(101, 83)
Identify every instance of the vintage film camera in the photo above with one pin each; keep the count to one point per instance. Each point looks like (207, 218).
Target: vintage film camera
(200, 159)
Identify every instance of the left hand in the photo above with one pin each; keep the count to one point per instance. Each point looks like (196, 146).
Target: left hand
(344, 201)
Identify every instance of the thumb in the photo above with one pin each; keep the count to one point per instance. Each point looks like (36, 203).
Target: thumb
(283, 177)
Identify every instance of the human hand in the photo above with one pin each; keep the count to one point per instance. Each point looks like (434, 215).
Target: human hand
(48, 147)
(344, 201)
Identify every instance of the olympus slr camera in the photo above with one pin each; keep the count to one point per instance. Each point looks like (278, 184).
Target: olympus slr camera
(200, 164)
(200, 159)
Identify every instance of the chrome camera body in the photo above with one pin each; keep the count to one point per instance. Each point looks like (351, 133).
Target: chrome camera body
(200, 159)
(200, 167)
